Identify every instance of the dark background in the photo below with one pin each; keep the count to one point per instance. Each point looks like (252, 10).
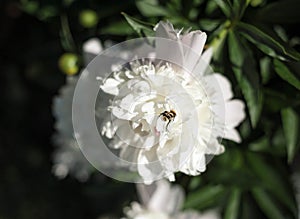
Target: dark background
(29, 78)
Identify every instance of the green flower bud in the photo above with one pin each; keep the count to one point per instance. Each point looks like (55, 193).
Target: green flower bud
(88, 18)
(68, 63)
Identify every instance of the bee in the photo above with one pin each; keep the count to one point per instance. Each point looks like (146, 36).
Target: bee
(168, 116)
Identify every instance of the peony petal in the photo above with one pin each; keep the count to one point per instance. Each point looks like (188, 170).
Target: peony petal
(202, 66)
(91, 49)
(166, 198)
(225, 86)
(171, 48)
(194, 42)
(129, 154)
(214, 147)
(207, 55)
(195, 163)
(233, 135)
(145, 192)
(149, 167)
(110, 86)
(235, 113)
(165, 30)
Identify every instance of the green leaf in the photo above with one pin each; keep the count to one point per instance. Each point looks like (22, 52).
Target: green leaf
(239, 7)
(281, 32)
(275, 100)
(225, 6)
(118, 28)
(194, 183)
(246, 75)
(47, 12)
(261, 144)
(284, 11)
(208, 24)
(255, 3)
(30, 7)
(290, 124)
(211, 6)
(271, 180)
(265, 72)
(266, 204)
(232, 208)
(142, 28)
(266, 43)
(66, 37)
(204, 197)
(283, 71)
(151, 8)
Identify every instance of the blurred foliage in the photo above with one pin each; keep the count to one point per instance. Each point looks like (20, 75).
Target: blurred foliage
(256, 43)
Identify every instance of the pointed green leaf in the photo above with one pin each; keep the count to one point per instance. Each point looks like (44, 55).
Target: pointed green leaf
(266, 43)
(66, 37)
(283, 71)
(209, 24)
(204, 197)
(232, 209)
(265, 72)
(118, 28)
(261, 144)
(142, 28)
(290, 124)
(246, 75)
(194, 183)
(224, 5)
(266, 204)
(239, 7)
(255, 3)
(271, 180)
(151, 8)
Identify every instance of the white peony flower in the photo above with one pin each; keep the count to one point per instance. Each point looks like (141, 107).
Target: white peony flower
(160, 200)
(68, 158)
(166, 119)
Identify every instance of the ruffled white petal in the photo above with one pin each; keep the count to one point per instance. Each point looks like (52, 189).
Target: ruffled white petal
(165, 30)
(235, 113)
(233, 135)
(225, 86)
(166, 198)
(193, 47)
(91, 48)
(195, 40)
(161, 200)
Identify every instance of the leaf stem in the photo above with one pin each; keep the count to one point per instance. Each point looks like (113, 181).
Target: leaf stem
(218, 40)
(66, 32)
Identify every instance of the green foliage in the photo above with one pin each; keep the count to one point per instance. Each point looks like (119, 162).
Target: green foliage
(290, 123)
(267, 204)
(245, 72)
(204, 197)
(286, 74)
(142, 28)
(266, 43)
(232, 209)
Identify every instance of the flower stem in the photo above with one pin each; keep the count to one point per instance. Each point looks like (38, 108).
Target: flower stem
(220, 37)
